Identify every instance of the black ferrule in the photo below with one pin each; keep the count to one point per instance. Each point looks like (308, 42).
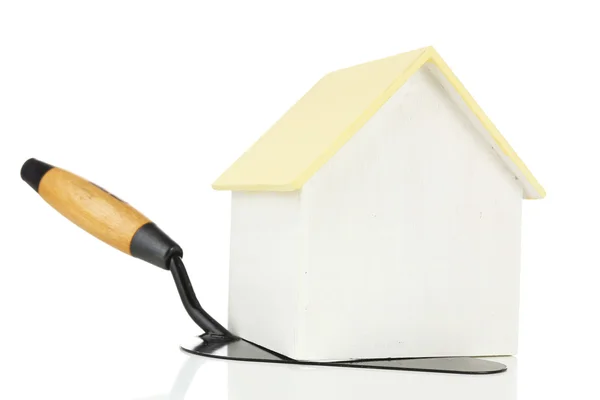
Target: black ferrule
(33, 171)
(152, 245)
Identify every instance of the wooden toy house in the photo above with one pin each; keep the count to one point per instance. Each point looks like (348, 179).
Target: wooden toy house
(379, 217)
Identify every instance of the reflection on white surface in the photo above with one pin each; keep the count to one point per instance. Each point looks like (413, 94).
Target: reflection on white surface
(249, 381)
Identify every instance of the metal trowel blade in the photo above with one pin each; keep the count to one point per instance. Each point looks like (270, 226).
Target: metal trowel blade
(242, 350)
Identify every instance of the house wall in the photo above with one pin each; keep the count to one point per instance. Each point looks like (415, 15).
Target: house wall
(405, 244)
(266, 255)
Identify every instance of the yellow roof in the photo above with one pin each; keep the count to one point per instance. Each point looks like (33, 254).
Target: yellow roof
(322, 121)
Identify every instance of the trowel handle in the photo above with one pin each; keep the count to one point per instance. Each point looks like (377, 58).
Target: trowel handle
(100, 213)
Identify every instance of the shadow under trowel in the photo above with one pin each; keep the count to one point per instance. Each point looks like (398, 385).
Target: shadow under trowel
(183, 381)
(249, 381)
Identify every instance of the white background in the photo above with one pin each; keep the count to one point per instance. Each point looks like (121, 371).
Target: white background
(153, 100)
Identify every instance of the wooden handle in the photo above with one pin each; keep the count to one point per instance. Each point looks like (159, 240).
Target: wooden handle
(100, 213)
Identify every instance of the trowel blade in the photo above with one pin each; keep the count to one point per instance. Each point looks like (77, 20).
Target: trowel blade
(242, 350)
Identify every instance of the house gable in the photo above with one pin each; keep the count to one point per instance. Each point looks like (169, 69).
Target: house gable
(415, 215)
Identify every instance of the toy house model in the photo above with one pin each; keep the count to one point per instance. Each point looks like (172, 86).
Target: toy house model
(379, 217)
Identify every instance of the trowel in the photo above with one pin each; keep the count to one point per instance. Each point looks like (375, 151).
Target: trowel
(118, 224)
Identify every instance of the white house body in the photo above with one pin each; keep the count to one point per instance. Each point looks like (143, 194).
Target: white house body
(397, 235)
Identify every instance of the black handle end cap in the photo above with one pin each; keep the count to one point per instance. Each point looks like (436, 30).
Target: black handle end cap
(33, 171)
